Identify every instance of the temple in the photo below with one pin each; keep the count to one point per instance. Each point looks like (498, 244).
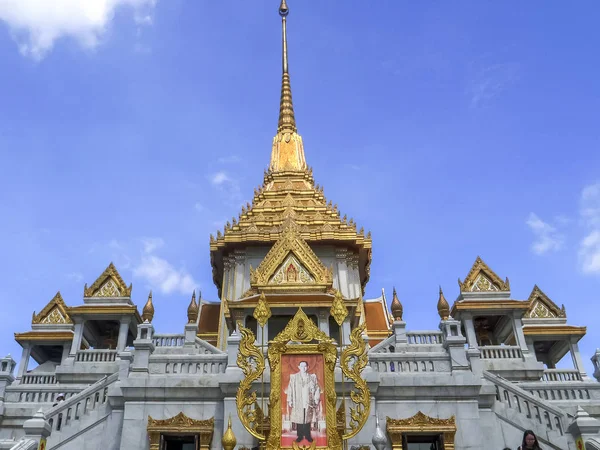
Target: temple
(105, 378)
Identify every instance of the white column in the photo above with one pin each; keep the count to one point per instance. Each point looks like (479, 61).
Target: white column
(65, 353)
(123, 332)
(24, 363)
(77, 337)
(517, 325)
(324, 322)
(470, 330)
(577, 361)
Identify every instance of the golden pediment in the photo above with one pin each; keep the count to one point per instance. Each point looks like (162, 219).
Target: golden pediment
(483, 279)
(109, 284)
(55, 312)
(181, 424)
(301, 329)
(542, 307)
(421, 423)
(291, 263)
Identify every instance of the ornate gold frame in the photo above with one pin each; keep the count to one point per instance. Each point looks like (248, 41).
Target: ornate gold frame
(302, 336)
(181, 424)
(421, 424)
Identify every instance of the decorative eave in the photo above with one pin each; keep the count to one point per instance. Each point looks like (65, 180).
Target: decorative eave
(420, 423)
(284, 196)
(108, 284)
(483, 305)
(291, 300)
(51, 336)
(481, 278)
(554, 330)
(542, 307)
(104, 310)
(55, 312)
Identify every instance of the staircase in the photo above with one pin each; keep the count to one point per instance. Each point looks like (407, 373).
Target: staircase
(82, 415)
(524, 411)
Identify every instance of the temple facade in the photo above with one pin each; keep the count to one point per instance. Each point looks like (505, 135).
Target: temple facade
(106, 379)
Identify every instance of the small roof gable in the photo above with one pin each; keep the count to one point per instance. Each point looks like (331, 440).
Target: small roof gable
(542, 307)
(291, 265)
(483, 279)
(55, 312)
(109, 284)
(209, 318)
(377, 316)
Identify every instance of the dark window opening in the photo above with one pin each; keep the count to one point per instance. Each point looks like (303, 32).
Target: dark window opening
(422, 442)
(182, 442)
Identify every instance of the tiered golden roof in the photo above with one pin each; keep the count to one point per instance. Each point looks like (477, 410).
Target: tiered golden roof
(289, 192)
(542, 307)
(55, 312)
(108, 284)
(482, 278)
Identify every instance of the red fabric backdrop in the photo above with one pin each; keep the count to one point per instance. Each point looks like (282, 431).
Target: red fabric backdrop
(289, 365)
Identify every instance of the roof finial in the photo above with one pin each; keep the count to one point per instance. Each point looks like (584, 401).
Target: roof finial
(287, 120)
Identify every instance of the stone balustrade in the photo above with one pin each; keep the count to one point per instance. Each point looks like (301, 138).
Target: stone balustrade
(528, 404)
(561, 375)
(573, 392)
(410, 363)
(188, 364)
(168, 340)
(84, 402)
(38, 378)
(96, 355)
(501, 352)
(34, 394)
(425, 337)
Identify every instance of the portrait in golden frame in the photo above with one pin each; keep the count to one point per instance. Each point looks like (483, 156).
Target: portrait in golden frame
(303, 399)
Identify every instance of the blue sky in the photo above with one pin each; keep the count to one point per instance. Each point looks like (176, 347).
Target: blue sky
(448, 129)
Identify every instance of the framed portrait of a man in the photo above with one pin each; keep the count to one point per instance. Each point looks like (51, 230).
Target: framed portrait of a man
(302, 392)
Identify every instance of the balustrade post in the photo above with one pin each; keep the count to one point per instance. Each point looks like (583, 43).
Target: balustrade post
(454, 343)
(7, 368)
(399, 330)
(144, 346)
(233, 345)
(596, 363)
(37, 428)
(191, 331)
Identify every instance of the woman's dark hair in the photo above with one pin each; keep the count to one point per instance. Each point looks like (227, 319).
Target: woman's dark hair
(536, 444)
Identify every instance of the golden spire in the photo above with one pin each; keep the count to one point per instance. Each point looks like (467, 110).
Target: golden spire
(397, 309)
(148, 311)
(287, 121)
(442, 306)
(192, 311)
(228, 440)
(288, 151)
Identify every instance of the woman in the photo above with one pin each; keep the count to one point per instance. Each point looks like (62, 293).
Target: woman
(530, 441)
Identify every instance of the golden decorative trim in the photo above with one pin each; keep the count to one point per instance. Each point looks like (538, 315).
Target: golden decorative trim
(55, 312)
(44, 336)
(481, 279)
(181, 424)
(262, 312)
(252, 362)
(541, 306)
(548, 330)
(353, 360)
(338, 308)
(108, 284)
(421, 424)
(290, 243)
(104, 309)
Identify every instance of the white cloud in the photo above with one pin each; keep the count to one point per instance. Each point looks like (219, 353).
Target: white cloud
(589, 247)
(159, 273)
(198, 207)
(490, 81)
(151, 244)
(219, 178)
(547, 237)
(75, 276)
(37, 24)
